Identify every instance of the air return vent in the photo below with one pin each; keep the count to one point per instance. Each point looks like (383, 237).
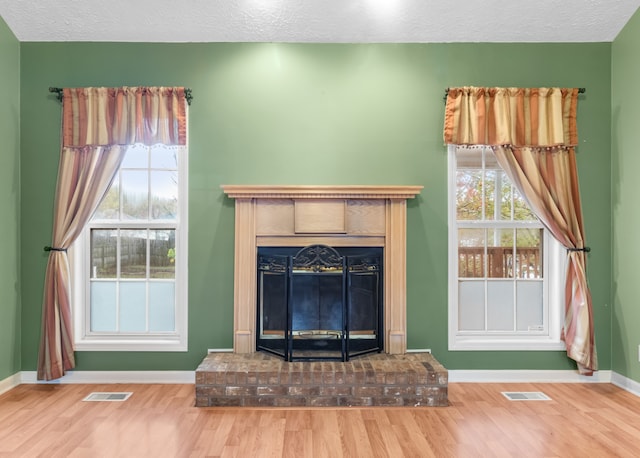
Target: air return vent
(113, 396)
(526, 396)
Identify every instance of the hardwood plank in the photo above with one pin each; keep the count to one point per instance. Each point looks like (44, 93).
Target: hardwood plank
(433, 426)
(297, 443)
(353, 434)
(325, 435)
(410, 436)
(270, 434)
(379, 446)
(382, 427)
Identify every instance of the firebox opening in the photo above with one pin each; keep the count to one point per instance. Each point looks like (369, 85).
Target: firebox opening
(320, 302)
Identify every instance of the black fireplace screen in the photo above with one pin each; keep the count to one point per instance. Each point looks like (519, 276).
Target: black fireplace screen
(319, 302)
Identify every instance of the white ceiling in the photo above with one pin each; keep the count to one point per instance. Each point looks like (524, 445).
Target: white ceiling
(328, 21)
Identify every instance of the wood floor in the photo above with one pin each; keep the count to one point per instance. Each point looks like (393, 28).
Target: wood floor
(591, 420)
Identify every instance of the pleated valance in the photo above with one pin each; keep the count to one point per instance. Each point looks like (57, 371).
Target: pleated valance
(124, 116)
(511, 116)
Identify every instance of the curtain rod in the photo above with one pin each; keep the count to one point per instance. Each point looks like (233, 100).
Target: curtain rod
(581, 90)
(58, 90)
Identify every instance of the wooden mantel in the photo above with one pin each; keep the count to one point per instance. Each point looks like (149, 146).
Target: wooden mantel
(320, 192)
(292, 215)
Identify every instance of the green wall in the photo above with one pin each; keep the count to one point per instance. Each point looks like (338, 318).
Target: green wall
(9, 202)
(625, 102)
(267, 113)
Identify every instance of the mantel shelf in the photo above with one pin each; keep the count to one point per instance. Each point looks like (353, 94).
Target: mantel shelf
(321, 191)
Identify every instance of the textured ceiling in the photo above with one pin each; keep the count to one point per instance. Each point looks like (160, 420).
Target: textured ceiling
(328, 21)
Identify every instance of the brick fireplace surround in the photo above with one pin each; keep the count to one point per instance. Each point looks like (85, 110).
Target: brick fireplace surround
(338, 216)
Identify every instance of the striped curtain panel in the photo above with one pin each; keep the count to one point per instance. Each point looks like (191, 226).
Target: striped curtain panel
(124, 116)
(533, 133)
(97, 126)
(511, 116)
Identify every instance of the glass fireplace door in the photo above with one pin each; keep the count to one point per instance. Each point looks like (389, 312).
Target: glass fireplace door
(364, 297)
(316, 305)
(273, 299)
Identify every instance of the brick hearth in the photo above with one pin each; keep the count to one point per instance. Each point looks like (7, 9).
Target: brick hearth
(260, 379)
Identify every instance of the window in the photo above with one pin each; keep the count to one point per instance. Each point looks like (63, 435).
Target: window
(506, 272)
(130, 263)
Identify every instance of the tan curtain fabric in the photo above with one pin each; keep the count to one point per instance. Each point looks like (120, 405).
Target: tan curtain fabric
(511, 116)
(98, 124)
(84, 175)
(548, 178)
(124, 116)
(533, 132)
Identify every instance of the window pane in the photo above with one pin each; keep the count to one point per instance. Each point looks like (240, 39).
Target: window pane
(506, 194)
(500, 305)
(136, 157)
(529, 254)
(103, 306)
(530, 305)
(161, 306)
(469, 195)
(162, 246)
(104, 253)
(491, 194)
(133, 253)
(490, 161)
(164, 157)
(133, 306)
(469, 157)
(135, 194)
(471, 305)
(164, 194)
(521, 210)
(109, 208)
(471, 245)
(500, 253)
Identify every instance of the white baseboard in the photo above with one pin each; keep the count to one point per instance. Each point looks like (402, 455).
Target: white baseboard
(526, 376)
(10, 382)
(626, 383)
(455, 376)
(97, 377)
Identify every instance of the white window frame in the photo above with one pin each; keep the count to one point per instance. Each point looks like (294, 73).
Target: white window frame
(554, 268)
(79, 254)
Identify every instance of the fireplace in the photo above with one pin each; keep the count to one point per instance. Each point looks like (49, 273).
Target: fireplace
(341, 217)
(319, 302)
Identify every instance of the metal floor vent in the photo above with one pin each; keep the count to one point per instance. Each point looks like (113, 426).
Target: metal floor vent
(113, 396)
(526, 396)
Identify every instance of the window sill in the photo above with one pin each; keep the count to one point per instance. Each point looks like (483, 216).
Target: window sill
(510, 344)
(160, 345)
